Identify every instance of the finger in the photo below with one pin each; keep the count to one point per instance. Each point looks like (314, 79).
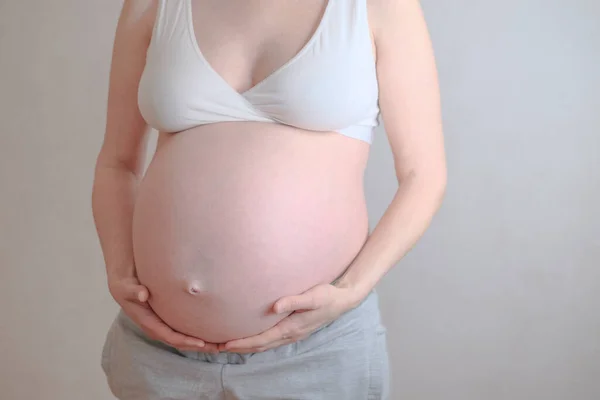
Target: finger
(155, 327)
(137, 293)
(208, 348)
(187, 348)
(264, 348)
(143, 294)
(269, 336)
(272, 345)
(295, 303)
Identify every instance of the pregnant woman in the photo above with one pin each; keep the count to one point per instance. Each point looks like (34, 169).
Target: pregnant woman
(241, 258)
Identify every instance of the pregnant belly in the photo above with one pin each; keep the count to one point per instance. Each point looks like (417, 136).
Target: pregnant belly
(231, 217)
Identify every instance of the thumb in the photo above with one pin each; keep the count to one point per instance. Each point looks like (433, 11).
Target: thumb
(295, 303)
(141, 293)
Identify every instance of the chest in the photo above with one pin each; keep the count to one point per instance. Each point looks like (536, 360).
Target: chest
(304, 63)
(246, 41)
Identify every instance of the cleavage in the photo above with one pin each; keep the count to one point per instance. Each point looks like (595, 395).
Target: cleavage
(247, 41)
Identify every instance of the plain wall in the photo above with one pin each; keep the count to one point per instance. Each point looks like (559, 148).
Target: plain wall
(498, 300)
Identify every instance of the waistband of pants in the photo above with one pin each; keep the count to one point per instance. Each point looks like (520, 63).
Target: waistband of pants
(364, 316)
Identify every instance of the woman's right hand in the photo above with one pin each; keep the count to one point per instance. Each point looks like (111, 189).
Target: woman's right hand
(133, 299)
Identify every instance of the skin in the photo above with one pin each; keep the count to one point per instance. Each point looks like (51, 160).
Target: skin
(262, 207)
(410, 107)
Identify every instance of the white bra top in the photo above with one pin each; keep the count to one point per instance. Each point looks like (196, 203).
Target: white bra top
(329, 85)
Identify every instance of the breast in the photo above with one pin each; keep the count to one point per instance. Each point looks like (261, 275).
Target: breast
(335, 91)
(232, 216)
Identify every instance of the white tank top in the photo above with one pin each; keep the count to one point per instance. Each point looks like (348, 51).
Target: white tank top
(329, 85)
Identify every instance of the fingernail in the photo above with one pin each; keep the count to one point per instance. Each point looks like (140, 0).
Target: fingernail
(192, 342)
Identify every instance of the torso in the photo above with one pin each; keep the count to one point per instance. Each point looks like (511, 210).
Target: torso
(231, 216)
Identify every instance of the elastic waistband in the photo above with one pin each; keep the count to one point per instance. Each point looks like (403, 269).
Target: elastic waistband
(365, 316)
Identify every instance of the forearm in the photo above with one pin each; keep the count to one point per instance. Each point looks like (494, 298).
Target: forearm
(403, 223)
(113, 197)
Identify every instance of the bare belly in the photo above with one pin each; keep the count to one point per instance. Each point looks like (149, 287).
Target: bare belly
(232, 216)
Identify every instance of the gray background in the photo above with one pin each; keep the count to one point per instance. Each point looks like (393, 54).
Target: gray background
(498, 300)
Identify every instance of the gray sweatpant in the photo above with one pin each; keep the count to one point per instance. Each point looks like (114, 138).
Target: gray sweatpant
(344, 360)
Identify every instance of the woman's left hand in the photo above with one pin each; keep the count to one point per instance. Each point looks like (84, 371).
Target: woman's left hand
(309, 311)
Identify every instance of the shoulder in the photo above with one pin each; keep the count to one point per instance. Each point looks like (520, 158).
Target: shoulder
(140, 8)
(389, 16)
(139, 15)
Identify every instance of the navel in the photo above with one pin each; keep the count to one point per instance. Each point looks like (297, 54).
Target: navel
(194, 287)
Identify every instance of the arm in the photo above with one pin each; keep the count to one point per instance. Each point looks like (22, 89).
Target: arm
(119, 168)
(119, 165)
(410, 107)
